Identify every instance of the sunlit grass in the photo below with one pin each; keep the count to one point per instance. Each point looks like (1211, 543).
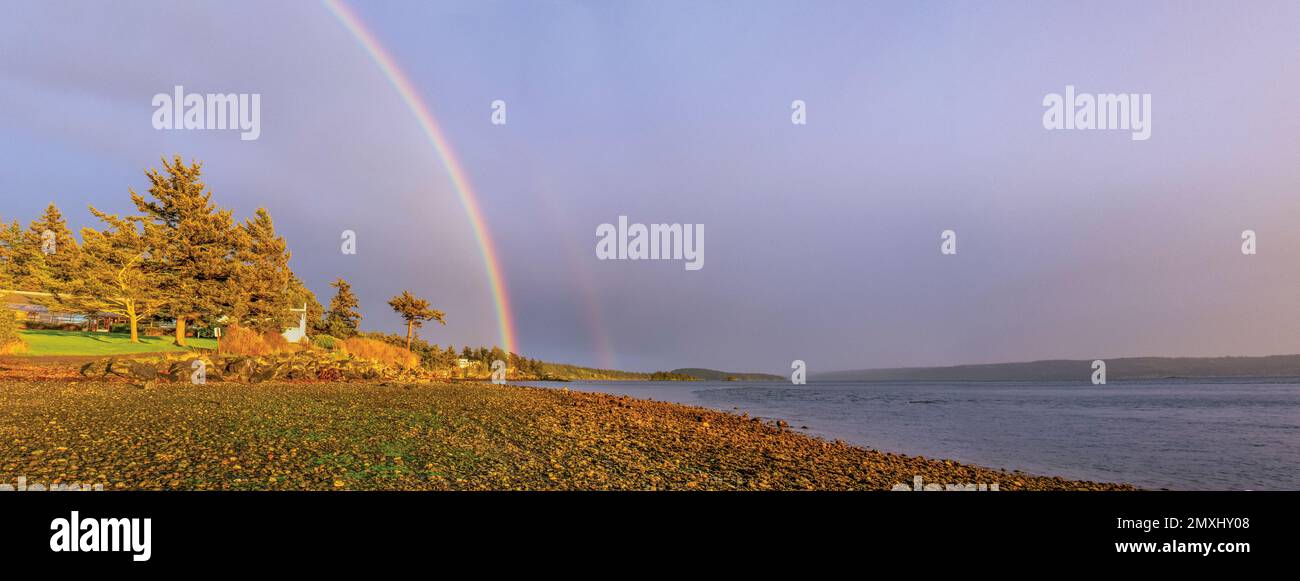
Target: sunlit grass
(101, 344)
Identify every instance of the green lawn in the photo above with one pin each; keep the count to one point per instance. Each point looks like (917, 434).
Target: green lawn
(88, 343)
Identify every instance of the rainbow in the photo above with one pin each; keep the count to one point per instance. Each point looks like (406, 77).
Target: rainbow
(459, 181)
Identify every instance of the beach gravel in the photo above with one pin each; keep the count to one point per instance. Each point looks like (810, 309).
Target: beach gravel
(426, 436)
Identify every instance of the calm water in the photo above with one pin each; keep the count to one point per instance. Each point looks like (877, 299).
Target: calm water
(1177, 434)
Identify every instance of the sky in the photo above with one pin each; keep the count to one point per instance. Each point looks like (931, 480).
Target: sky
(823, 239)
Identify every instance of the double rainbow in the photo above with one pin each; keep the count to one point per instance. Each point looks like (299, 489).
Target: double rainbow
(459, 181)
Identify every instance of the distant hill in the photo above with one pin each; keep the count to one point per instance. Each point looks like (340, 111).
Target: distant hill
(715, 375)
(1070, 369)
(545, 371)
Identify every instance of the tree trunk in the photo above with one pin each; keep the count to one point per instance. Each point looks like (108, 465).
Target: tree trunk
(135, 322)
(410, 328)
(180, 331)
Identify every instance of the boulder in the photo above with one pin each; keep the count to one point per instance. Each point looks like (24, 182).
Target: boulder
(141, 371)
(98, 368)
(239, 367)
(266, 372)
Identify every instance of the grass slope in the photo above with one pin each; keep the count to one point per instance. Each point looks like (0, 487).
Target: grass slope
(101, 344)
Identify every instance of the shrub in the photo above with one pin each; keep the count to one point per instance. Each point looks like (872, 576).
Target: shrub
(41, 326)
(276, 342)
(327, 342)
(10, 340)
(380, 351)
(236, 340)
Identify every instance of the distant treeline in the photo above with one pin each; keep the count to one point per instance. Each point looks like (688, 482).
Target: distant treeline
(1081, 370)
(715, 375)
(476, 363)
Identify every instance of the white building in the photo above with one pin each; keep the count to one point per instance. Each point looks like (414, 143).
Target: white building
(299, 333)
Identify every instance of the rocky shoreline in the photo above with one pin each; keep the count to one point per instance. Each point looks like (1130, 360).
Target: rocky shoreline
(279, 435)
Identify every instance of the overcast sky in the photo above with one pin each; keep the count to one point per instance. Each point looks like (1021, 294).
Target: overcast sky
(822, 239)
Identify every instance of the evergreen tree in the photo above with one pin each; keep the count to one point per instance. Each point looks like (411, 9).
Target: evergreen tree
(415, 311)
(11, 242)
(194, 246)
(265, 278)
(59, 249)
(45, 257)
(10, 340)
(342, 318)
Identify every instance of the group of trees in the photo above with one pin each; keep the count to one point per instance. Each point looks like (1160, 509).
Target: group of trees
(343, 320)
(436, 357)
(181, 257)
(178, 257)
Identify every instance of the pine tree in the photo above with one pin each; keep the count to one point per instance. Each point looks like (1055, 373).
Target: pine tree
(113, 277)
(193, 246)
(45, 257)
(11, 243)
(264, 278)
(10, 340)
(58, 248)
(25, 263)
(415, 311)
(342, 318)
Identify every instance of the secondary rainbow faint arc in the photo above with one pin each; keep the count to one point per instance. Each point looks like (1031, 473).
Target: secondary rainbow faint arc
(459, 182)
